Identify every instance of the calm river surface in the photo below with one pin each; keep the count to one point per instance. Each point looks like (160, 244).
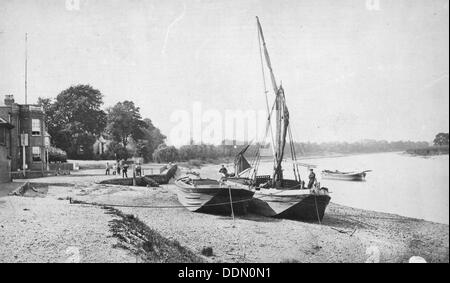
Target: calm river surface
(401, 184)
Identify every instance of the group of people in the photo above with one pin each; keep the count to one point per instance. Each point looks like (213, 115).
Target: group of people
(122, 166)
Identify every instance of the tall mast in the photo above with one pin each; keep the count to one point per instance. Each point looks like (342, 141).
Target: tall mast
(266, 54)
(275, 90)
(280, 113)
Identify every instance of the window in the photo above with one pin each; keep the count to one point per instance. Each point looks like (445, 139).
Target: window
(2, 136)
(35, 127)
(36, 153)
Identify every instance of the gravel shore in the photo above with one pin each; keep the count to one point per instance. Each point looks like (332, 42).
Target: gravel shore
(45, 227)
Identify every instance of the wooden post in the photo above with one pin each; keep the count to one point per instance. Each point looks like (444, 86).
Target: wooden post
(23, 160)
(134, 175)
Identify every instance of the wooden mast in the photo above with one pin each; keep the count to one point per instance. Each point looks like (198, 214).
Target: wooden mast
(280, 112)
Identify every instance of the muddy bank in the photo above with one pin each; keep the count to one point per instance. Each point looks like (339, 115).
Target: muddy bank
(145, 243)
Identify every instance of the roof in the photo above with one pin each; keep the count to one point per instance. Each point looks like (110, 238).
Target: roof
(4, 123)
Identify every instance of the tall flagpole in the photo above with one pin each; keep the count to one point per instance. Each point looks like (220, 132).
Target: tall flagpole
(26, 68)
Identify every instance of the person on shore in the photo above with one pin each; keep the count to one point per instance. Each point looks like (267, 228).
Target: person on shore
(107, 168)
(124, 170)
(118, 168)
(312, 179)
(223, 171)
(138, 170)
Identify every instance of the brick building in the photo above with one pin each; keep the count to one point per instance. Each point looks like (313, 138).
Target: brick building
(28, 128)
(5, 158)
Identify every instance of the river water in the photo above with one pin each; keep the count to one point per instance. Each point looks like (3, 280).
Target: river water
(402, 184)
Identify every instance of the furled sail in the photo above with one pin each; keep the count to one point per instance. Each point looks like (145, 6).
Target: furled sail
(282, 128)
(240, 162)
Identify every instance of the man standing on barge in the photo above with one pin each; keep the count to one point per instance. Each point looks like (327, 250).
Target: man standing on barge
(312, 179)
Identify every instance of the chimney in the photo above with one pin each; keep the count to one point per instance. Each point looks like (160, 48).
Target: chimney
(9, 99)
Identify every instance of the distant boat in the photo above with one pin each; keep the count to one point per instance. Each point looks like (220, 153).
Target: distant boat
(153, 180)
(212, 196)
(169, 172)
(345, 176)
(276, 196)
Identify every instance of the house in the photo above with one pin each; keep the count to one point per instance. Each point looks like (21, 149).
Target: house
(100, 146)
(5, 154)
(28, 140)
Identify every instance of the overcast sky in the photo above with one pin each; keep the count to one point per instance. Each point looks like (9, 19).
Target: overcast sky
(351, 70)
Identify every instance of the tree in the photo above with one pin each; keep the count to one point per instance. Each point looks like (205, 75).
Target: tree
(124, 121)
(49, 110)
(152, 139)
(56, 155)
(164, 154)
(75, 119)
(117, 151)
(441, 139)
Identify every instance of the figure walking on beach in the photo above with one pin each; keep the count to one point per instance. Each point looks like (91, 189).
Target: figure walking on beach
(312, 179)
(107, 168)
(138, 170)
(124, 170)
(118, 167)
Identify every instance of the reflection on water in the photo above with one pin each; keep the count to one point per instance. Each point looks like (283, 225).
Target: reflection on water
(399, 183)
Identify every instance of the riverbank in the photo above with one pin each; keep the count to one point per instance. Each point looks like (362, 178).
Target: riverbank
(47, 227)
(429, 151)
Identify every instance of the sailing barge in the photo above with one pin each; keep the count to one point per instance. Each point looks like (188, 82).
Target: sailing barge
(276, 196)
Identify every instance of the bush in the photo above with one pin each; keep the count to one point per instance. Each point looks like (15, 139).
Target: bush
(56, 155)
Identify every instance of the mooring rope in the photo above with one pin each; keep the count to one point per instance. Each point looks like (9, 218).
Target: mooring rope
(317, 210)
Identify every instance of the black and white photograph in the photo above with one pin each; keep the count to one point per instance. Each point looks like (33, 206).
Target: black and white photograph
(224, 132)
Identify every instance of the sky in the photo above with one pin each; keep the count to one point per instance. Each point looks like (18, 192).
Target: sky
(351, 69)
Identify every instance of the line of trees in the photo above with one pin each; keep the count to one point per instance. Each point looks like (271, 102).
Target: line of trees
(76, 120)
(209, 153)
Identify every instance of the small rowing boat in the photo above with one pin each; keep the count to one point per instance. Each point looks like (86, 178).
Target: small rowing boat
(345, 176)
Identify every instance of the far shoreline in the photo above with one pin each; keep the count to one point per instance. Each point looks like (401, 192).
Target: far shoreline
(228, 161)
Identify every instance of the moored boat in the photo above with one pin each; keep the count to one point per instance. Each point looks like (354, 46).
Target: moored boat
(345, 176)
(212, 196)
(168, 172)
